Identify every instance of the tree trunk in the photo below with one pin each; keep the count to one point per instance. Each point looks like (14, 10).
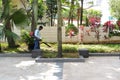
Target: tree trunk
(11, 42)
(81, 14)
(6, 6)
(71, 12)
(78, 17)
(34, 15)
(59, 30)
(51, 17)
(51, 20)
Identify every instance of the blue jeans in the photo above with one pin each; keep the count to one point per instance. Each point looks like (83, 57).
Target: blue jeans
(36, 44)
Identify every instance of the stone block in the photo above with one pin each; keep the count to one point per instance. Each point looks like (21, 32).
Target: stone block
(84, 53)
(36, 53)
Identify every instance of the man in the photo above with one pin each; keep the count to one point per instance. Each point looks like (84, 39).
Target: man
(37, 37)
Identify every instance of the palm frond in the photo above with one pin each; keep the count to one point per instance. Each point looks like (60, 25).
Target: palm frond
(11, 34)
(19, 17)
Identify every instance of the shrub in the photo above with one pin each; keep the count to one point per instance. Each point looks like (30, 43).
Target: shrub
(70, 28)
(69, 48)
(26, 37)
(114, 33)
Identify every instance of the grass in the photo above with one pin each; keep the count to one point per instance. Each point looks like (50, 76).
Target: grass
(103, 48)
(93, 48)
(69, 50)
(21, 49)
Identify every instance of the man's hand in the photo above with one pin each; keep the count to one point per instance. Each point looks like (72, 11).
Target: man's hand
(40, 39)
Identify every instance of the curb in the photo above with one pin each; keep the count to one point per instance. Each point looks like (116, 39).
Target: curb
(104, 54)
(15, 55)
(39, 60)
(29, 54)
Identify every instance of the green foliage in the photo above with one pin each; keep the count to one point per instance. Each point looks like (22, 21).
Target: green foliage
(11, 34)
(101, 48)
(114, 33)
(95, 13)
(69, 48)
(19, 49)
(52, 7)
(65, 13)
(11, 17)
(41, 9)
(49, 55)
(93, 48)
(4, 32)
(25, 36)
(115, 8)
(19, 17)
(67, 6)
(0, 8)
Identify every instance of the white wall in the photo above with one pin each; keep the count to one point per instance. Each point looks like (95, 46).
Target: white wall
(49, 34)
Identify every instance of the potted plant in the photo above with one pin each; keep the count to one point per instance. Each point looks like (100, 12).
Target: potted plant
(27, 39)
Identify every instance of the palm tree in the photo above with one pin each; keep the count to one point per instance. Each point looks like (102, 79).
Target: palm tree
(10, 17)
(6, 17)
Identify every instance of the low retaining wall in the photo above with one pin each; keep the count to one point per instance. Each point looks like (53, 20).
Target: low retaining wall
(49, 34)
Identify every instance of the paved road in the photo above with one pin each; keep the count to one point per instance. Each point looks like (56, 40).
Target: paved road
(94, 68)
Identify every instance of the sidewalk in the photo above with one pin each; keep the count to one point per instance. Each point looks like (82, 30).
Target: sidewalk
(94, 68)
